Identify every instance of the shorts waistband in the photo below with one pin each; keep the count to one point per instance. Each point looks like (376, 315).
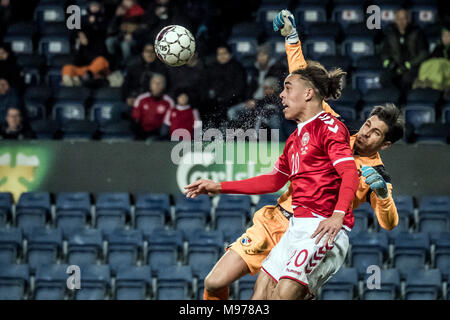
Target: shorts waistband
(286, 213)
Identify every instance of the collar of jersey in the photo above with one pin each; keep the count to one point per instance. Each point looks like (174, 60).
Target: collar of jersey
(181, 108)
(302, 124)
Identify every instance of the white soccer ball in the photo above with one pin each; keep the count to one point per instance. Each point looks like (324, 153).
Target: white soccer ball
(175, 45)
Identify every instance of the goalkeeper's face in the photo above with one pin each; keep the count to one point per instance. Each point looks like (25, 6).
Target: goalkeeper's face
(371, 137)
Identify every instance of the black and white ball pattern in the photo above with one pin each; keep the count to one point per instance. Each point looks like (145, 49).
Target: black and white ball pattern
(175, 45)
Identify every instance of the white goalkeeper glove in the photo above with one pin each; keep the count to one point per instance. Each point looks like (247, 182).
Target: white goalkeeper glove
(285, 22)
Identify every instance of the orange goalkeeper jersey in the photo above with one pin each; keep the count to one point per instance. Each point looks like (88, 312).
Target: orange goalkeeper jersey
(385, 209)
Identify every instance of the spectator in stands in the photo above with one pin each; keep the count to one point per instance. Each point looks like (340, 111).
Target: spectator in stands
(403, 50)
(5, 16)
(182, 116)
(94, 23)
(9, 69)
(127, 20)
(265, 66)
(90, 67)
(8, 96)
(435, 72)
(151, 107)
(15, 128)
(139, 72)
(227, 82)
(193, 77)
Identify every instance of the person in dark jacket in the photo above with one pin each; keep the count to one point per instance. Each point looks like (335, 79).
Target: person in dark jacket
(14, 126)
(403, 50)
(9, 69)
(8, 96)
(140, 71)
(227, 82)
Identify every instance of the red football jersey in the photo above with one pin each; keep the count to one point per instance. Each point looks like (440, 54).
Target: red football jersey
(150, 111)
(308, 159)
(181, 117)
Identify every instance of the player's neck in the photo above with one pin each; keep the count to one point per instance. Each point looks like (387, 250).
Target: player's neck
(308, 113)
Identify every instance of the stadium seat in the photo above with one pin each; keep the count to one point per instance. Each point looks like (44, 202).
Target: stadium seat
(423, 284)
(330, 29)
(44, 246)
(278, 48)
(433, 132)
(39, 93)
(151, 210)
(333, 61)
(265, 15)
(318, 46)
(346, 14)
(45, 129)
(410, 251)
(341, 285)
(32, 67)
(49, 12)
(14, 281)
(307, 14)
(20, 43)
(84, 246)
(434, 213)
(235, 202)
(191, 214)
(381, 96)
(442, 253)
(174, 283)
(229, 221)
(243, 46)
(95, 281)
(349, 98)
(103, 112)
(347, 113)
(64, 111)
(246, 286)
(357, 46)
(245, 29)
(423, 96)
(124, 247)
(79, 130)
(53, 78)
(205, 248)
(424, 15)
(112, 210)
(32, 210)
(51, 282)
(35, 111)
(27, 28)
(446, 113)
(201, 274)
(72, 210)
(389, 286)
(405, 210)
(163, 248)
(117, 131)
(388, 9)
(10, 245)
(368, 249)
(266, 199)
(363, 80)
(418, 114)
(133, 283)
(363, 216)
(6, 201)
(54, 28)
(54, 44)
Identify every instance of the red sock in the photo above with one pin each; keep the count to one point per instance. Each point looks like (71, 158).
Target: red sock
(221, 294)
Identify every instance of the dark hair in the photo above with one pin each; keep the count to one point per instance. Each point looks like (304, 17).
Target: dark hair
(226, 46)
(392, 116)
(327, 83)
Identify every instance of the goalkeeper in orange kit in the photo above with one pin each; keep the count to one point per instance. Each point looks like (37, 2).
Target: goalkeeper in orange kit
(383, 128)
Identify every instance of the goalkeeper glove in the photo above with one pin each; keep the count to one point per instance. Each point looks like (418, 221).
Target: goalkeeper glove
(375, 181)
(285, 22)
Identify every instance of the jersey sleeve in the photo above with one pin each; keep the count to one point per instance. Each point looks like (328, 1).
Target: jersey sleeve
(167, 118)
(336, 140)
(385, 210)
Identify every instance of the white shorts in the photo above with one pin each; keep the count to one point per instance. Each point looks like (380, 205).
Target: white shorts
(298, 258)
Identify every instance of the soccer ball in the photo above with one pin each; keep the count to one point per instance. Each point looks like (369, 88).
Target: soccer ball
(175, 45)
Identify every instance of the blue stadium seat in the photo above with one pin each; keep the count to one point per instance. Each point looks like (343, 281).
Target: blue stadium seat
(133, 283)
(32, 210)
(20, 43)
(363, 80)
(79, 130)
(243, 46)
(28, 28)
(410, 251)
(107, 94)
(368, 249)
(346, 14)
(245, 29)
(14, 281)
(358, 46)
(341, 286)
(381, 96)
(363, 215)
(307, 14)
(389, 286)
(45, 129)
(53, 77)
(267, 199)
(49, 12)
(117, 131)
(151, 210)
(405, 210)
(442, 253)
(423, 96)
(349, 98)
(246, 285)
(163, 248)
(387, 12)
(205, 248)
(174, 283)
(124, 247)
(35, 110)
(84, 246)
(54, 28)
(38, 93)
(418, 114)
(434, 213)
(32, 66)
(95, 281)
(51, 282)
(278, 47)
(318, 46)
(230, 221)
(333, 61)
(446, 113)
(191, 214)
(201, 274)
(44, 246)
(265, 15)
(235, 202)
(72, 210)
(112, 210)
(330, 29)
(347, 113)
(54, 44)
(64, 111)
(423, 284)
(103, 112)
(424, 15)
(6, 201)
(10, 245)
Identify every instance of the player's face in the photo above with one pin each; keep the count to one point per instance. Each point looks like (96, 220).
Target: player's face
(371, 137)
(149, 53)
(157, 85)
(294, 97)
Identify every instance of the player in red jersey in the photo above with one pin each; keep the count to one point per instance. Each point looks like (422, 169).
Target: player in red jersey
(318, 161)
